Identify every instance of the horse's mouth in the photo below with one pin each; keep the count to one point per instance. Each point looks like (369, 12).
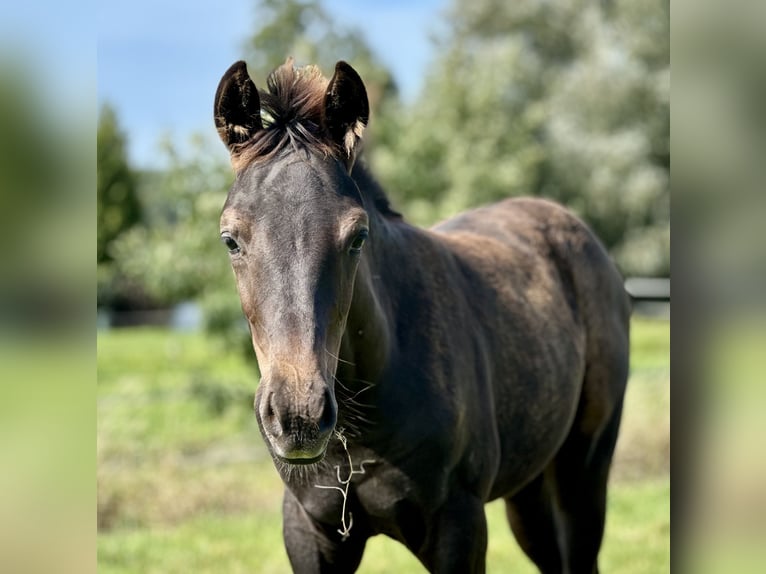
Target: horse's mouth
(301, 461)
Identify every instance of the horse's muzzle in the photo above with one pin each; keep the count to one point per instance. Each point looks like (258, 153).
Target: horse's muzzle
(297, 432)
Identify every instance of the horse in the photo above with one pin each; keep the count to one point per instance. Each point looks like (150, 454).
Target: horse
(408, 375)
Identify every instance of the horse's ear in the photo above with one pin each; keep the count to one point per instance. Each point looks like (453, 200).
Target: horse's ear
(237, 109)
(346, 110)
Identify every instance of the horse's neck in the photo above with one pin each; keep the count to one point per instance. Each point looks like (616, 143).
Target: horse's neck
(387, 274)
(391, 270)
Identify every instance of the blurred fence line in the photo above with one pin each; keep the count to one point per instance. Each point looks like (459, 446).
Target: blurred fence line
(186, 316)
(650, 295)
(648, 288)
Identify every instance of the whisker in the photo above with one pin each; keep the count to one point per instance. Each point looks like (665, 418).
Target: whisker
(350, 398)
(337, 358)
(358, 417)
(352, 413)
(367, 387)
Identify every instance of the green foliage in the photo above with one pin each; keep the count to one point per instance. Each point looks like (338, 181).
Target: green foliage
(567, 100)
(649, 343)
(177, 254)
(119, 209)
(117, 199)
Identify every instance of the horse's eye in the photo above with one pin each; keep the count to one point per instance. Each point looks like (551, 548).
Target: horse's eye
(358, 242)
(230, 243)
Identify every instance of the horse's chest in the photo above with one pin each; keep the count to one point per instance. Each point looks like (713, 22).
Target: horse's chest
(392, 503)
(375, 492)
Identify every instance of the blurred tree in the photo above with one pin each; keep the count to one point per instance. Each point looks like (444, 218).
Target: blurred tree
(118, 210)
(117, 199)
(176, 254)
(567, 100)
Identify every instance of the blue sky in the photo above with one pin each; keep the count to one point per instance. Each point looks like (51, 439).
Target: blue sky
(159, 61)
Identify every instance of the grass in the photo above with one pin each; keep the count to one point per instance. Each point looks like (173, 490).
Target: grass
(185, 484)
(637, 541)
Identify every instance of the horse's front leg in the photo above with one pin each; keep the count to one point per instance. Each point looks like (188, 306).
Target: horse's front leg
(457, 538)
(315, 548)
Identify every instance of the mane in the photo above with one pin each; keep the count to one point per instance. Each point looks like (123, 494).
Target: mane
(291, 112)
(369, 186)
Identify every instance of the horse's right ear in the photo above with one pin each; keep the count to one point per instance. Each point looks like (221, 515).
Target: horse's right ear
(237, 108)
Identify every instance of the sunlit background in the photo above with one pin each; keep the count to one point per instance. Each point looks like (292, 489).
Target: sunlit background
(472, 101)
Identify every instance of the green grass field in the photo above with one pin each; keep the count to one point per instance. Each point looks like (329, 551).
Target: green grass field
(185, 483)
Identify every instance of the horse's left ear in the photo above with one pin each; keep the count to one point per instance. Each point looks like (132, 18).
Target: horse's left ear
(346, 110)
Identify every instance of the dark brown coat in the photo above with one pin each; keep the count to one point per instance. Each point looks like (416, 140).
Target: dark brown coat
(409, 376)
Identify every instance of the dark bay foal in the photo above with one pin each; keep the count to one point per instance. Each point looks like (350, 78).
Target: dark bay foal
(409, 376)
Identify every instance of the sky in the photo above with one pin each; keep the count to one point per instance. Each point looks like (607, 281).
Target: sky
(159, 61)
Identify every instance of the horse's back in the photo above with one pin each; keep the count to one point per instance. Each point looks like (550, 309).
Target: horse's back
(535, 249)
(520, 236)
(555, 314)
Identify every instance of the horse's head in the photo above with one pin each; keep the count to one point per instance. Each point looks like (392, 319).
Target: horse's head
(294, 224)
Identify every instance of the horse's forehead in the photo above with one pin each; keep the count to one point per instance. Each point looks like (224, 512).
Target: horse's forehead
(291, 191)
(283, 185)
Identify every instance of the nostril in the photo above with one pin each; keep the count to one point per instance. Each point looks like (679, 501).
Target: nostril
(329, 410)
(270, 415)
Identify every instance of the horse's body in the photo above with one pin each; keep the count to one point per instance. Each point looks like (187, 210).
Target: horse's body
(484, 358)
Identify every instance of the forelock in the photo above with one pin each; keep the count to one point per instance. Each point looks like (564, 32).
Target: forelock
(291, 111)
